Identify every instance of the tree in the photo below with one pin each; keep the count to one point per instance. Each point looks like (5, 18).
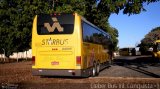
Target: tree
(153, 35)
(16, 17)
(149, 39)
(16, 22)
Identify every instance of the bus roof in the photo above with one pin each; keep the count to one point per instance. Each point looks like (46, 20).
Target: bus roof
(157, 41)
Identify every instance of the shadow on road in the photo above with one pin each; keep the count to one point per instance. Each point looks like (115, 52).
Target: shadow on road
(136, 60)
(143, 71)
(138, 63)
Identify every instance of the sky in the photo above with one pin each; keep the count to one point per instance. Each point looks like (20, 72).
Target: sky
(132, 29)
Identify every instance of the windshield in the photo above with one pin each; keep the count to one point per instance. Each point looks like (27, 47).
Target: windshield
(55, 24)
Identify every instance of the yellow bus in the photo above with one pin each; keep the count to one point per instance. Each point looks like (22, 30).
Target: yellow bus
(156, 50)
(125, 51)
(68, 45)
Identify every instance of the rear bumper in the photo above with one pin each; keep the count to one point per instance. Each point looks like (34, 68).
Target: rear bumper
(62, 72)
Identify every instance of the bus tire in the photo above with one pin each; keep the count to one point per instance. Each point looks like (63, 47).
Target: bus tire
(97, 68)
(94, 70)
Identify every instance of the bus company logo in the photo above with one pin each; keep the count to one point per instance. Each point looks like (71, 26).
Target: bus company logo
(55, 25)
(51, 41)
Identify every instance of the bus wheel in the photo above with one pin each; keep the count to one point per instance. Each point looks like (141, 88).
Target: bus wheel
(98, 68)
(94, 70)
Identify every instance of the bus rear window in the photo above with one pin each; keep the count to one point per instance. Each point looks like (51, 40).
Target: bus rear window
(55, 24)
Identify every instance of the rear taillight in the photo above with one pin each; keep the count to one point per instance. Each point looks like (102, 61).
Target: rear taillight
(78, 60)
(33, 60)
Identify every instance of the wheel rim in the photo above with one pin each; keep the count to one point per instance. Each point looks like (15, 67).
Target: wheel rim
(94, 71)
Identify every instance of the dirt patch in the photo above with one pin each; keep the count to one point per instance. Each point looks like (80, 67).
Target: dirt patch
(19, 76)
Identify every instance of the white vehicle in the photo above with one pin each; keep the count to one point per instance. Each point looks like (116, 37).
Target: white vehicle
(137, 51)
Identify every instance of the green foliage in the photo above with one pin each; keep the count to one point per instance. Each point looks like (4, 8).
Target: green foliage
(16, 17)
(128, 6)
(16, 22)
(152, 36)
(149, 39)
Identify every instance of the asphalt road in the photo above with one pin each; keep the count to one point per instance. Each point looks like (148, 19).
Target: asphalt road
(133, 66)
